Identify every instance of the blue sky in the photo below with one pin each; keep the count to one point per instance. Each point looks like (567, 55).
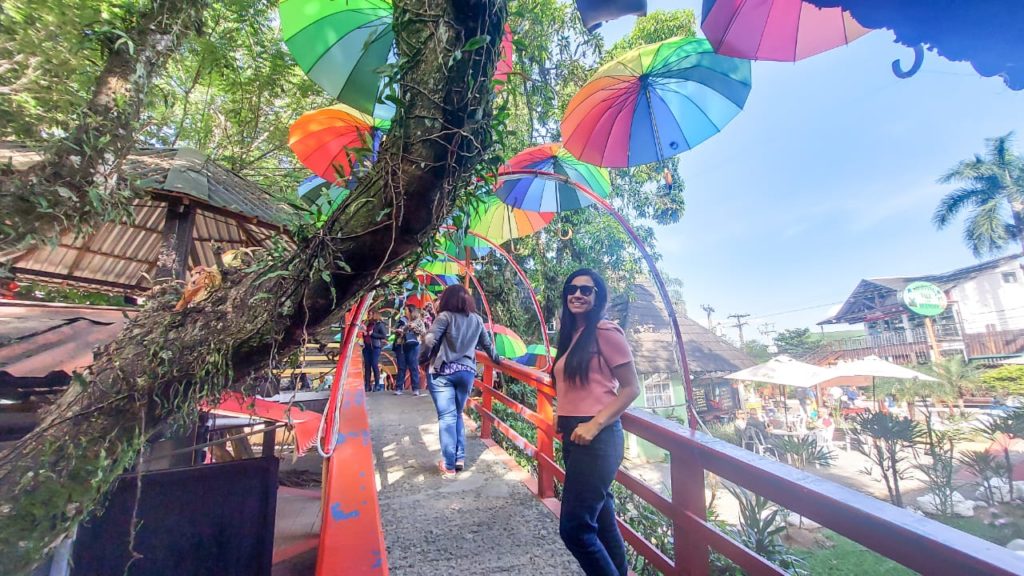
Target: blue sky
(826, 177)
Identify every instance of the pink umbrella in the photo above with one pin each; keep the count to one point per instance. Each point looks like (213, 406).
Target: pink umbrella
(779, 30)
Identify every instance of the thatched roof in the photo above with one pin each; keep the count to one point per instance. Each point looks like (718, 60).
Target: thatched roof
(643, 317)
(120, 257)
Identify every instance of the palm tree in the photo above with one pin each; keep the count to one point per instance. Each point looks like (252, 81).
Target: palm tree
(956, 379)
(988, 186)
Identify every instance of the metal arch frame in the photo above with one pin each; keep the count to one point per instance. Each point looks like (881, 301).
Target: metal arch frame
(659, 282)
(522, 276)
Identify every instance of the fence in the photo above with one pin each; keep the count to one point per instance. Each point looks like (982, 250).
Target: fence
(913, 541)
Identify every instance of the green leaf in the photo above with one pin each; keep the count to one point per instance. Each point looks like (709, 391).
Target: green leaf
(477, 42)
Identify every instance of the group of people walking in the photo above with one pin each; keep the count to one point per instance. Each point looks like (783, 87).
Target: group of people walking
(405, 346)
(595, 382)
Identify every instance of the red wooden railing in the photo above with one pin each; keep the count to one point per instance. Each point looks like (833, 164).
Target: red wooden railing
(921, 544)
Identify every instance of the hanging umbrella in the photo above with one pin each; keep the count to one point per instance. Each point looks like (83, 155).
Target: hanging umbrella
(500, 222)
(419, 300)
(655, 102)
(446, 272)
(537, 356)
(311, 188)
(328, 141)
(340, 45)
(779, 30)
(507, 343)
(455, 245)
(430, 282)
(548, 194)
(506, 63)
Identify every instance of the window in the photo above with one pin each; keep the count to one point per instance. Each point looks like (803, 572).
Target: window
(657, 390)
(1009, 277)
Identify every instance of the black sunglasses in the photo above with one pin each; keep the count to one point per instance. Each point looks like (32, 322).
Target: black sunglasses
(587, 291)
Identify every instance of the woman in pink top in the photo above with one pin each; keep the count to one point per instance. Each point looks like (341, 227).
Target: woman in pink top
(595, 382)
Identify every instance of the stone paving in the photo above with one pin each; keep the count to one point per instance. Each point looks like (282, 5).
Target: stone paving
(485, 522)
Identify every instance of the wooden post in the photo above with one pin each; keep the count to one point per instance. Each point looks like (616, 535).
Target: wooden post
(488, 401)
(546, 447)
(691, 554)
(929, 326)
(172, 260)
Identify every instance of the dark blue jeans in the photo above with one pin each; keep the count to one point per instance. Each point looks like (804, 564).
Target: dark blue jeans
(450, 394)
(406, 360)
(371, 363)
(587, 525)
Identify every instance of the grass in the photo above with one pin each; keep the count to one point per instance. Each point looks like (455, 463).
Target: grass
(1001, 535)
(847, 558)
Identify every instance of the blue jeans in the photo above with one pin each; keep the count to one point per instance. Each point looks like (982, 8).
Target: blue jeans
(587, 525)
(371, 362)
(406, 360)
(450, 393)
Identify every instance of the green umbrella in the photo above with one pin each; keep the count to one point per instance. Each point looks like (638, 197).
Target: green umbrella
(340, 45)
(507, 343)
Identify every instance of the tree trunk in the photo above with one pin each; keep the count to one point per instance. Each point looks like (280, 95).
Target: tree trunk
(1017, 209)
(164, 364)
(77, 185)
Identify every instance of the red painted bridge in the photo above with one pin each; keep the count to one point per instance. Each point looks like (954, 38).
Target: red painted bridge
(385, 510)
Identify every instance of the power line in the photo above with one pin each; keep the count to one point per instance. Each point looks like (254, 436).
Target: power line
(739, 324)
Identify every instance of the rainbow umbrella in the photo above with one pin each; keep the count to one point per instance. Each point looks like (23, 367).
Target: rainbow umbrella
(331, 140)
(537, 356)
(655, 102)
(418, 300)
(311, 188)
(506, 63)
(500, 222)
(546, 194)
(340, 45)
(455, 245)
(779, 30)
(447, 272)
(507, 343)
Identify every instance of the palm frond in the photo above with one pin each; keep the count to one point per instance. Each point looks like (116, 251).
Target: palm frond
(957, 201)
(985, 231)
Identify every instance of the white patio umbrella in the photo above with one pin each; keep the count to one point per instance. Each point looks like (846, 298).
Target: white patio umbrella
(875, 367)
(785, 371)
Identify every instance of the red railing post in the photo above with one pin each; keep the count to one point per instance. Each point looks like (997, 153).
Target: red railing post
(488, 401)
(691, 551)
(545, 447)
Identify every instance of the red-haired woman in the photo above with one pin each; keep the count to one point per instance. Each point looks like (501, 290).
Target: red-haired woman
(457, 332)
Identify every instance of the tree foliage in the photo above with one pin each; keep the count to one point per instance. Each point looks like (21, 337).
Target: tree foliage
(796, 342)
(1004, 381)
(991, 191)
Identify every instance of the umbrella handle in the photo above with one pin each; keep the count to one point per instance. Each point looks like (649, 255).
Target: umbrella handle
(897, 66)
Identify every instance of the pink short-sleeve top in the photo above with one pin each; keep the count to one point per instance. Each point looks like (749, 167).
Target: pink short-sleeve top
(600, 387)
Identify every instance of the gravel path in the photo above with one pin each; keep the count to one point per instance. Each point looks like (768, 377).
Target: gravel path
(485, 522)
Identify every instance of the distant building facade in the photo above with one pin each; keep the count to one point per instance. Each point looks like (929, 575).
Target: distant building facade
(984, 317)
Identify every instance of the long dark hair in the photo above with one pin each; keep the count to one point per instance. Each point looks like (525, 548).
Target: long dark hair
(577, 360)
(456, 298)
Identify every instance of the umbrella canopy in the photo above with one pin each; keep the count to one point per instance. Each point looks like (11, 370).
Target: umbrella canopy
(547, 194)
(430, 282)
(340, 45)
(328, 141)
(779, 30)
(537, 356)
(419, 300)
(655, 102)
(506, 63)
(311, 188)
(785, 371)
(500, 222)
(445, 271)
(455, 245)
(876, 367)
(507, 343)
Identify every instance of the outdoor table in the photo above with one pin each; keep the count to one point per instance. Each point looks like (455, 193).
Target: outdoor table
(795, 433)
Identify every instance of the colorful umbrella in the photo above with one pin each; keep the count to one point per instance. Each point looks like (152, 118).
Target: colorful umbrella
(507, 343)
(311, 188)
(546, 194)
(455, 245)
(537, 357)
(418, 300)
(328, 141)
(655, 102)
(500, 222)
(431, 283)
(506, 63)
(447, 272)
(340, 45)
(779, 30)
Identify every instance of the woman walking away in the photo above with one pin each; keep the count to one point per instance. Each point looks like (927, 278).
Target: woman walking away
(375, 333)
(595, 381)
(457, 331)
(406, 353)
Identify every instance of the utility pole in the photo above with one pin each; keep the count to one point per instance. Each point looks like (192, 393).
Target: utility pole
(739, 324)
(707, 308)
(767, 329)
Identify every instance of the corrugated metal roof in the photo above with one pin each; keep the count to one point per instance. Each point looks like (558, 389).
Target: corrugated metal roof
(121, 257)
(643, 318)
(38, 338)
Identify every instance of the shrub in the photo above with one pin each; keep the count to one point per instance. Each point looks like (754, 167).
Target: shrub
(1004, 381)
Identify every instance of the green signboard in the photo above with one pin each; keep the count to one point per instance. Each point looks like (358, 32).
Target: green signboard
(924, 298)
